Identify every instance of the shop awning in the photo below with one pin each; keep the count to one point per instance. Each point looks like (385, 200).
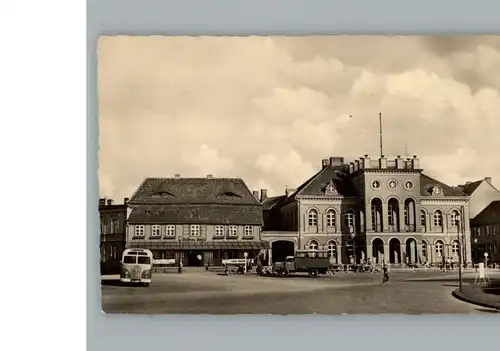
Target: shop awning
(202, 245)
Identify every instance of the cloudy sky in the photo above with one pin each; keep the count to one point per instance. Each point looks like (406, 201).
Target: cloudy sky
(268, 109)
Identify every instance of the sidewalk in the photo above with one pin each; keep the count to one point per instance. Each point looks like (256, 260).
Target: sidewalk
(481, 295)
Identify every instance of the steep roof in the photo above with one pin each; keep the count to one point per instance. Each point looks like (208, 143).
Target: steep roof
(469, 188)
(270, 202)
(331, 174)
(490, 215)
(193, 191)
(197, 214)
(426, 184)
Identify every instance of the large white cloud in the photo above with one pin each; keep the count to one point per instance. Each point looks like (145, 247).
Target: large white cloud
(269, 109)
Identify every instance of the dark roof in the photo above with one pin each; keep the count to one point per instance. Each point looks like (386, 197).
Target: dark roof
(197, 214)
(490, 215)
(269, 203)
(426, 184)
(470, 187)
(193, 191)
(335, 174)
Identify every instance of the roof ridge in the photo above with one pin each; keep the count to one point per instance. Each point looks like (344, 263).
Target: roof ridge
(440, 182)
(309, 181)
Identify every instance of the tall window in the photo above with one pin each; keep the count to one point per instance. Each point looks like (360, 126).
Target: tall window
(376, 207)
(103, 225)
(332, 249)
(155, 230)
(439, 249)
(233, 231)
(349, 219)
(454, 248)
(248, 231)
(115, 225)
(423, 218)
(438, 218)
(313, 217)
(455, 218)
(139, 230)
(313, 245)
(393, 212)
(424, 250)
(330, 218)
(194, 230)
(170, 230)
(219, 230)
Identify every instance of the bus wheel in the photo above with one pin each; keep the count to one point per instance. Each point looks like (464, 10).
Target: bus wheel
(313, 273)
(283, 273)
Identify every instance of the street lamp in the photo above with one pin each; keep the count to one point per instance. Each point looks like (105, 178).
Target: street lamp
(459, 255)
(475, 254)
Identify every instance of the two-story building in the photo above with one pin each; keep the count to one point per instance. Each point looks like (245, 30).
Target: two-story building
(112, 236)
(383, 210)
(486, 234)
(183, 218)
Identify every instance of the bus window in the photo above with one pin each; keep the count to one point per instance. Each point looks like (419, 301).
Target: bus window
(129, 259)
(143, 260)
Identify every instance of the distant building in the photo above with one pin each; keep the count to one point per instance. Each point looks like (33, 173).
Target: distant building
(183, 218)
(481, 192)
(486, 234)
(112, 237)
(383, 210)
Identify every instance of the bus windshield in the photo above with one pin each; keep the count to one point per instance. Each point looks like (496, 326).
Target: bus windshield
(143, 260)
(130, 259)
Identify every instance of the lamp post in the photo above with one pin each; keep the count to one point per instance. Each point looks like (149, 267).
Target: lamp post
(459, 256)
(475, 254)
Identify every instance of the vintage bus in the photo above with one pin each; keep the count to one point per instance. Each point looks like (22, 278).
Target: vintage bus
(136, 266)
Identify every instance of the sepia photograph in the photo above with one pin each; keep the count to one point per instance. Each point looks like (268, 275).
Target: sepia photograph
(329, 175)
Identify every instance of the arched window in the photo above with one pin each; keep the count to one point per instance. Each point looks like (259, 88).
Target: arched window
(376, 207)
(332, 249)
(313, 245)
(454, 218)
(313, 217)
(423, 219)
(439, 248)
(424, 250)
(330, 218)
(454, 248)
(349, 219)
(393, 214)
(438, 218)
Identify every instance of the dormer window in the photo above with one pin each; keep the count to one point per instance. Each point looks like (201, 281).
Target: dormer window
(436, 190)
(162, 193)
(331, 189)
(230, 194)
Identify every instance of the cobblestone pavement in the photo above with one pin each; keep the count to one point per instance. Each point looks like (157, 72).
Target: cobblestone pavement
(197, 291)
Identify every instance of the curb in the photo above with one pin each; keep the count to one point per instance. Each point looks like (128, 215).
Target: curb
(462, 297)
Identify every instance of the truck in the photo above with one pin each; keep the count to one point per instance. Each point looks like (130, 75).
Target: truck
(313, 262)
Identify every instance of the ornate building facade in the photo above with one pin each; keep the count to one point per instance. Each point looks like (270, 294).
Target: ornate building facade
(383, 210)
(112, 236)
(185, 218)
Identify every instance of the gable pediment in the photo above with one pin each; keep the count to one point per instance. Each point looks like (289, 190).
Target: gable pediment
(330, 189)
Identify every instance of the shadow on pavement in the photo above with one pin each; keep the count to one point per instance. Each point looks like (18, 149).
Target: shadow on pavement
(486, 310)
(111, 282)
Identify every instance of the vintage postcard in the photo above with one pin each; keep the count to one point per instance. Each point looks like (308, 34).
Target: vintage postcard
(299, 175)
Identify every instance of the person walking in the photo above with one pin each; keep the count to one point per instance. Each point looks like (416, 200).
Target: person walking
(385, 275)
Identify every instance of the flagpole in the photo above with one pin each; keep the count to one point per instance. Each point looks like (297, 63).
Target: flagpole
(380, 124)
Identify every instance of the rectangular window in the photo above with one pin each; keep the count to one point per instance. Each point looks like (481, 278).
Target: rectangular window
(155, 230)
(170, 230)
(139, 230)
(103, 225)
(219, 230)
(233, 231)
(115, 225)
(248, 230)
(195, 230)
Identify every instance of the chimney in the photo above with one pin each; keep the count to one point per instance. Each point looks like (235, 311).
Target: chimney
(382, 162)
(399, 162)
(324, 163)
(488, 180)
(415, 163)
(263, 194)
(336, 161)
(468, 182)
(351, 167)
(256, 194)
(110, 202)
(356, 165)
(177, 176)
(125, 200)
(102, 202)
(365, 162)
(209, 176)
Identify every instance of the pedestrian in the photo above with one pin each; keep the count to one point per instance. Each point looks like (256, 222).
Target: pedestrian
(385, 275)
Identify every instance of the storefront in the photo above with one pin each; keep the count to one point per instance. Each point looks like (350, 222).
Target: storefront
(211, 252)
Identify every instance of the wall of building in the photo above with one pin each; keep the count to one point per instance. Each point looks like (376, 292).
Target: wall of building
(481, 198)
(207, 232)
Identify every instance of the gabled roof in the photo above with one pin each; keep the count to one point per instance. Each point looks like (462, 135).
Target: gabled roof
(427, 183)
(193, 191)
(469, 188)
(490, 215)
(197, 214)
(317, 183)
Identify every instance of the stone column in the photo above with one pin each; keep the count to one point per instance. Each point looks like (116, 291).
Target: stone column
(386, 253)
(269, 257)
(368, 218)
(369, 251)
(401, 219)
